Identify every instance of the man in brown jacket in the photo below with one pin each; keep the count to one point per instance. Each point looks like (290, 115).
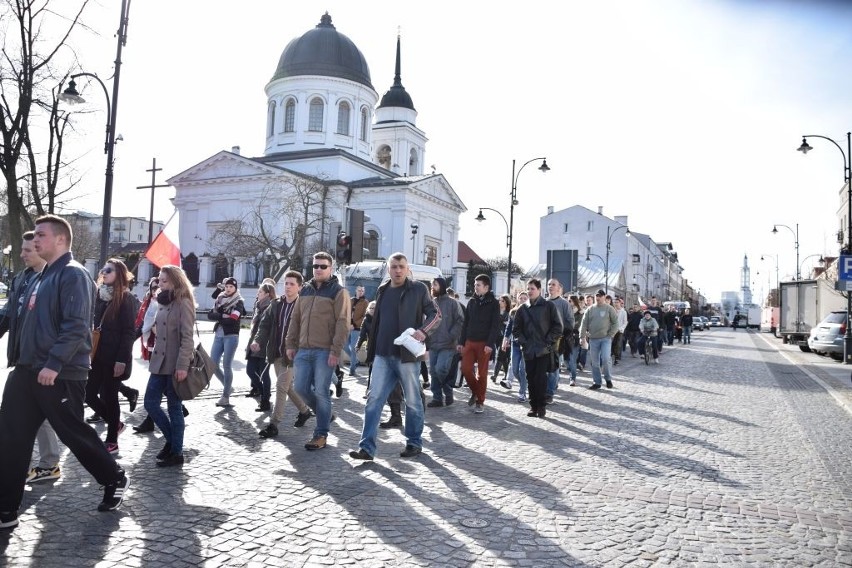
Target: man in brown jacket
(319, 327)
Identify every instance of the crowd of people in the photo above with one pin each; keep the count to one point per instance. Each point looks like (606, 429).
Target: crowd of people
(71, 342)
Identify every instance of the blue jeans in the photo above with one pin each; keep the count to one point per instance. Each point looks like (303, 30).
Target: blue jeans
(553, 380)
(439, 367)
(349, 348)
(387, 373)
(519, 369)
(572, 362)
(643, 341)
(312, 381)
(687, 334)
(172, 426)
(224, 346)
(599, 353)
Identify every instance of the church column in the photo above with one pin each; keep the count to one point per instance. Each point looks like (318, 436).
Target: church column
(498, 282)
(205, 270)
(240, 266)
(460, 278)
(144, 271)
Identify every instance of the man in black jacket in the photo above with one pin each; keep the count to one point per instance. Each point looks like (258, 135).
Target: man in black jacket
(480, 333)
(537, 326)
(49, 381)
(401, 304)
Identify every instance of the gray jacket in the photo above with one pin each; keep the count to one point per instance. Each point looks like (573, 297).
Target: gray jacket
(56, 332)
(446, 336)
(564, 308)
(174, 342)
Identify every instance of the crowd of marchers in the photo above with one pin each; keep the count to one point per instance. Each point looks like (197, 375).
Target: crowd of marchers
(71, 343)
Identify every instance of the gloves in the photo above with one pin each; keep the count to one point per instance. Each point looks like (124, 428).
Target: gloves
(412, 345)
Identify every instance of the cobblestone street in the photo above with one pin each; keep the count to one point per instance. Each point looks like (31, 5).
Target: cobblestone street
(733, 450)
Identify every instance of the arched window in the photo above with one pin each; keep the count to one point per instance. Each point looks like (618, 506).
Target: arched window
(413, 163)
(364, 124)
(290, 116)
(372, 243)
(343, 118)
(383, 156)
(315, 115)
(270, 119)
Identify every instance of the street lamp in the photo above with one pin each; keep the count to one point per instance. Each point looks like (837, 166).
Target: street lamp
(589, 259)
(777, 284)
(821, 259)
(482, 218)
(609, 235)
(514, 201)
(414, 227)
(70, 95)
(645, 278)
(847, 178)
(796, 236)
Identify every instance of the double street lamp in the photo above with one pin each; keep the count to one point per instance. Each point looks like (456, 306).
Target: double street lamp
(589, 256)
(645, 278)
(71, 95)
(821, 260)
(796, 237)
(847, 178)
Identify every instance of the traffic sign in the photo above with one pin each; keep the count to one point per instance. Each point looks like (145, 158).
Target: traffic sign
(844, 268)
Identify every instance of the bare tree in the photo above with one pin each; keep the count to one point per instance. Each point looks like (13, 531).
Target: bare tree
(28, 92)
(87, 244)
(290, 214)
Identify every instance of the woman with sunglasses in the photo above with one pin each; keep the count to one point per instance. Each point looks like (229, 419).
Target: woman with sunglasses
(226, 312)
(114, 318)
(170, 358)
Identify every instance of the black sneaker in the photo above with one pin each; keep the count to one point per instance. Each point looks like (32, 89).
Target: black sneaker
(253, 393)
(410, 451)
(472, 400)
(114, 494)
(184, 410)
(170, 460)
(609, 384)
(395, 421)
(361, 454)
(338, 387)
(264, 407)
(435, 404)
(548, 399)
(165, 452)
(302, 418)
(270, 431)
(94, 418)
(594, 387)
(8, 520)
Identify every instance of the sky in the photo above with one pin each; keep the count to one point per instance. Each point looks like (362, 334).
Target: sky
(683, 115)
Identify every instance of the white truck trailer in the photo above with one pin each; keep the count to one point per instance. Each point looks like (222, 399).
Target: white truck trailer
(804, 303)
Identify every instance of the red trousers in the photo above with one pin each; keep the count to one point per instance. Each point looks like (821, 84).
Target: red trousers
(474, 351)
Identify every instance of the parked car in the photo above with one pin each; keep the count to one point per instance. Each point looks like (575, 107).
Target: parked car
(699, 323)
(828, 335)
(715, 321)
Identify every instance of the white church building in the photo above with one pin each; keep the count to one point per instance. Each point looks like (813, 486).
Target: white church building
(326, 130)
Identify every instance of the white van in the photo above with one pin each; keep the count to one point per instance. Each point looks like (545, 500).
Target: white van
(371, 273)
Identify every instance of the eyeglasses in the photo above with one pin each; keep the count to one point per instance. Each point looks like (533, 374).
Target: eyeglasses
(106, 270)
(320, 266)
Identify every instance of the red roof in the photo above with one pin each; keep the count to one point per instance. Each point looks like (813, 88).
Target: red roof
(466, 254)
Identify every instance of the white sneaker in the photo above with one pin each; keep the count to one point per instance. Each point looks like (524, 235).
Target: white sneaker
(478, 409)
(224, 402)
(657, 361)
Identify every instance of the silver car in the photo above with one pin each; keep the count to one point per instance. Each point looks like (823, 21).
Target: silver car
(827, 337)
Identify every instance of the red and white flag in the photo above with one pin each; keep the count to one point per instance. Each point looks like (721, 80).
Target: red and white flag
(165, 248)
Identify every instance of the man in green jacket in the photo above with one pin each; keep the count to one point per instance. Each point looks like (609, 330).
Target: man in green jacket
(600, 324)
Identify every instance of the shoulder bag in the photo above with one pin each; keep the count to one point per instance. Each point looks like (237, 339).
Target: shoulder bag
(198, 375)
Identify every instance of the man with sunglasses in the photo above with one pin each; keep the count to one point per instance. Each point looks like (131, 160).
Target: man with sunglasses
(319, 327)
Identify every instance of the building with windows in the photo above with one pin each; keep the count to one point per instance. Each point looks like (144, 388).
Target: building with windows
(331, 144)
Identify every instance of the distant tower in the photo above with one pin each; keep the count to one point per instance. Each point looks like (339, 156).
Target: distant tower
(744, 285)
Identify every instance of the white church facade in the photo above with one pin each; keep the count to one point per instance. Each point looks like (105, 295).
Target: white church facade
(328, 148)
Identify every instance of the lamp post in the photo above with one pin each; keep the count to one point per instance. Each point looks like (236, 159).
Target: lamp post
(72, 96)
(609, 235)
(482, 218)
(821, 260)
(514, 201)
(645, 278)
(777, 284)
(414, 227)
(589, 256)
(847, 178)
(796, 236)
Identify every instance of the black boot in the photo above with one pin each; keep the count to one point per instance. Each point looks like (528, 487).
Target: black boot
(185, 411)
(395, 420)
(146, 426)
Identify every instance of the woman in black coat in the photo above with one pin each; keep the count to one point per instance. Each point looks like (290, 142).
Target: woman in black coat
(115, 319)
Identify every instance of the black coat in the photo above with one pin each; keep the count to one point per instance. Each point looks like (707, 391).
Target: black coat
(118, 332)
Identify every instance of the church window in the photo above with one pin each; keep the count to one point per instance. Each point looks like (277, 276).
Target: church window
(364, 125)
(384, 156)
(371, 243)
(343, 118)
(270, 127)
(430, 255)
(413, 167)
(290, 116)
(315, 115)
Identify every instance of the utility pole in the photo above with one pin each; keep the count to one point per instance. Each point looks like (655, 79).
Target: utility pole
(154, 169)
